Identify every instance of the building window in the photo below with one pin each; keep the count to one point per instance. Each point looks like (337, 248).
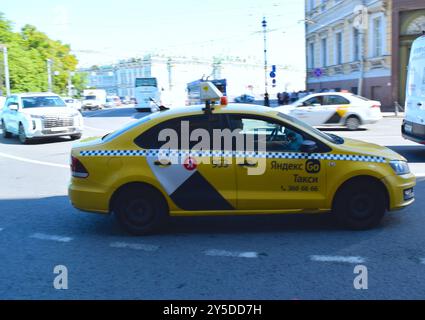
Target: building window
(338, 46)
(311, 56)
(324, 52)
(356, 44)
(377, 36)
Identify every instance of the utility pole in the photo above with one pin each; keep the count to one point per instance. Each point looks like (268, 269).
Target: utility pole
(266, 82)
(6, 68)
(49, 76)
(70, 84)
(361, 28)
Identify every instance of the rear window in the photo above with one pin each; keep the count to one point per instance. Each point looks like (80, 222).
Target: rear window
(126, 128)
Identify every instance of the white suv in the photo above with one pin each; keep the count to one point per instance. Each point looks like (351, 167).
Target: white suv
(39, 115)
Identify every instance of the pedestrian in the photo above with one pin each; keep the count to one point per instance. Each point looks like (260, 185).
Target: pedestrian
(267, 100)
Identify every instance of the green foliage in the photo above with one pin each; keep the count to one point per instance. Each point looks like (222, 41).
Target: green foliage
(28, 51)
(80, 80)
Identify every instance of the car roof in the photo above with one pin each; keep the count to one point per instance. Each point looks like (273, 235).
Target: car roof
(230, 108)
(332, 94)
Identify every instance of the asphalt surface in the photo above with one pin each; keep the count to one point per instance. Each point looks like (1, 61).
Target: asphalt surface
(270, 257)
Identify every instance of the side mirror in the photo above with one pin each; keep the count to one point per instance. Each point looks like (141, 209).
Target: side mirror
(309, 146)
(14, 107)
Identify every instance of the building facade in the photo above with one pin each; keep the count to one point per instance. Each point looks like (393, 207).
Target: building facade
(361, 45)
(174, 73)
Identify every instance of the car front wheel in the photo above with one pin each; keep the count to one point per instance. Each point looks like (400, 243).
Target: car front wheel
(360, 205)
(22, 135)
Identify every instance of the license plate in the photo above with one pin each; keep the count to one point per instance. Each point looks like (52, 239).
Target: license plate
(408, 128)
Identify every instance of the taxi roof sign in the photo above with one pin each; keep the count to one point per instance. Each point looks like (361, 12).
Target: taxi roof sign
(209, 92)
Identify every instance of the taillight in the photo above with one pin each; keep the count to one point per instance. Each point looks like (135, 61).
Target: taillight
(376, 106)
(77, 168)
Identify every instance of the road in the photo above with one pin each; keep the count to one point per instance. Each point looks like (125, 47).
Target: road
(271, 257)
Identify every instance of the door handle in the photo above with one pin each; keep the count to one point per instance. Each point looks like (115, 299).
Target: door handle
(161, 164)
(246, 164)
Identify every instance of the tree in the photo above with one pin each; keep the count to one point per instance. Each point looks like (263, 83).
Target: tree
(28, 54)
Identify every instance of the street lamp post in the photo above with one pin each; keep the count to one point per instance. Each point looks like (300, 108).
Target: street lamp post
(266, 82)
(49, 76)
(6, 68)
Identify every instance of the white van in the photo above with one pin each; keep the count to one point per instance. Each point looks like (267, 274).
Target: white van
(414, 124)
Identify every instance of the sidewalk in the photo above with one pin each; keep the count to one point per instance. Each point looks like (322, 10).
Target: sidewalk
(393, 115)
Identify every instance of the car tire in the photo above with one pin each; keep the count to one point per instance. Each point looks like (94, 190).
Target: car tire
(5, 134)
(140, 209)
(353, 123)
(22, 135)
(360, 205)
(76, 136)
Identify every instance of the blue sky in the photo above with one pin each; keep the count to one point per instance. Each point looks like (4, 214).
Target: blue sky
(107, 30)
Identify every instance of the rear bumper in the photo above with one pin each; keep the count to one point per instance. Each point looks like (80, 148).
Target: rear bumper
(88, 200)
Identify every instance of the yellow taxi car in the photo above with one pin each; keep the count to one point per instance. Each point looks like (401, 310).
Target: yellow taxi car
(189, 162)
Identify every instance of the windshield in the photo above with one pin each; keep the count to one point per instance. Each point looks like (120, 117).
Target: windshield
(42, 102)
(90, 97)
(306, 127)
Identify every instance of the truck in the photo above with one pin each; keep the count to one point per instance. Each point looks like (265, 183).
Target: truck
(413, 127)
(94, 99)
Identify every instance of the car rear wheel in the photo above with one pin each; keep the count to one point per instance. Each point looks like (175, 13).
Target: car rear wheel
(5, 133)
(360, 205)
(139, 209)
(22, 135)
(353, 123)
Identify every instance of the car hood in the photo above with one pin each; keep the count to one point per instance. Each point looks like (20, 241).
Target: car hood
(67, 111)
(370, 149)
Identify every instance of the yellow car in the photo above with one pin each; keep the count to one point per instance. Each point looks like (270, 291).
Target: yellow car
(189, 162)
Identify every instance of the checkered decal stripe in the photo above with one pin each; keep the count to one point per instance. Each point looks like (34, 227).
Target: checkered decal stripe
(270, 155)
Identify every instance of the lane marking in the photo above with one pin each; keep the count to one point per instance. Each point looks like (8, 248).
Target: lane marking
(341, 259)
(224, 253)
(91, 115)
(422, 260)
(50, 164)
(42, 236)
(134, 246)
(1, 229)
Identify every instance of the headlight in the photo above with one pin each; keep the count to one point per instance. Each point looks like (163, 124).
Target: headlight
(400, 167)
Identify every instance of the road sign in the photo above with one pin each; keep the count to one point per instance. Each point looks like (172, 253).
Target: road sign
(272, 75)
(318, 72)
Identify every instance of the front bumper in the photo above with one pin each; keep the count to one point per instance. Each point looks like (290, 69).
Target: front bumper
(400, 190)
(57, 132)
(416, 132)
